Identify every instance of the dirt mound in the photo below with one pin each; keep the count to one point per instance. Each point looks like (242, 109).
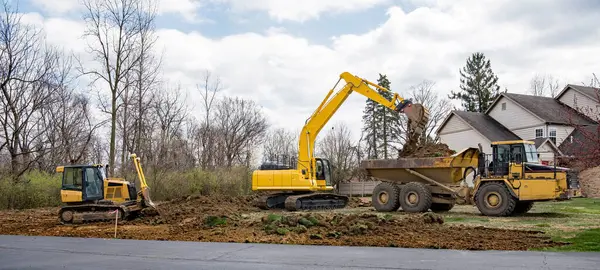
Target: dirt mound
(427, 150)
(355, 202)
(589, 181)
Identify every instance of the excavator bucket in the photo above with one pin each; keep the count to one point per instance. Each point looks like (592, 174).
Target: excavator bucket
(418, 116)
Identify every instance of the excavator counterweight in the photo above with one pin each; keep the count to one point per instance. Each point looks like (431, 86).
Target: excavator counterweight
(308, 185)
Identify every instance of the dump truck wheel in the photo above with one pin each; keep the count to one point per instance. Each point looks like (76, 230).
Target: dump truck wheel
(522, 207)
(494, 199)
(385, 197)
(441, 207)
(415, 197)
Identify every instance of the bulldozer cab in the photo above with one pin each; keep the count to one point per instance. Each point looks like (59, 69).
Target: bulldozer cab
(508, 157)
(88, 179)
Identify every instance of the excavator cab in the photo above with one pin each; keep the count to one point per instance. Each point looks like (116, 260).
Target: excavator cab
(324, 171)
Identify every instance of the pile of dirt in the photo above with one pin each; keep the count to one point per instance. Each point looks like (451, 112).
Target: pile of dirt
(427, 150)
(355, 202)
(589, 180)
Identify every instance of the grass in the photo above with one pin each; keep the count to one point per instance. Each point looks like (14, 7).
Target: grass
(576, 222)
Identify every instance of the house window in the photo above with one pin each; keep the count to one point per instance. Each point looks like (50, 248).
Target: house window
(552, 135)
(539, 133)
(504, 106)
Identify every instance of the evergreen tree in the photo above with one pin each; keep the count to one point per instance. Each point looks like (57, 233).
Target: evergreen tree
(380, 128)
(479, 84)
(389, 132)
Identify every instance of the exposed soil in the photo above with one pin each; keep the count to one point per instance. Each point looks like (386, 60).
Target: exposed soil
(427, 150)
(236, 220)
(589, 181)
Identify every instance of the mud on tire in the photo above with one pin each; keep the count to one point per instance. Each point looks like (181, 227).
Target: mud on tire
(385, 197)
(415, 197)
(494, 199)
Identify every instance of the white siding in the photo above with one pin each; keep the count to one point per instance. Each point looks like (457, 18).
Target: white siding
(514, 117)
(454, 124)
(529, 132)
(581, 103)
(561, 133)
(546, 153)
(469, 138)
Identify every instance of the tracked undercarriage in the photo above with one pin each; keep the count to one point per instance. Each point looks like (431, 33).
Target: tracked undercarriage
(293, 201)
(101, 211)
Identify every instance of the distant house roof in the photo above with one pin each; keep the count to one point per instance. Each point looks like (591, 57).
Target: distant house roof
(541, 141)
(577, 143)
(548, 109)
(484, 124)
(591, 92)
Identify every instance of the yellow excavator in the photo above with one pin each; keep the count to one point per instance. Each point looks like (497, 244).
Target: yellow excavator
(89, 195)
(304, 186)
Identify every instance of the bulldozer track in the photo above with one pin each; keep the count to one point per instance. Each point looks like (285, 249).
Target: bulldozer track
(84, 214)
(315, 201)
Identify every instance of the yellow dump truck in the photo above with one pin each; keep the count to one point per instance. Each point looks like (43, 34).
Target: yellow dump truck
(504, 183)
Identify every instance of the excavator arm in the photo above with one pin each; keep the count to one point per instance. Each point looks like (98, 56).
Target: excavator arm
(416, 113)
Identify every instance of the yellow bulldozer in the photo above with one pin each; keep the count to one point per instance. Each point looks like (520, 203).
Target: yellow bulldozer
(89, 195)
(304, 185)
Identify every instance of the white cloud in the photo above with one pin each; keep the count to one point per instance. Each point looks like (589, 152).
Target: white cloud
(188, 9)
(289, 76)
(301, 11)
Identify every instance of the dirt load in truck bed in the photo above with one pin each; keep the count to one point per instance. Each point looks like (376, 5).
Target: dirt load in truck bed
(222, 219)
(427, 150)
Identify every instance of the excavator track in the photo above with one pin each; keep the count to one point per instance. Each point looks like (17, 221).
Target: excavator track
(88, 213)
(301, 201)
(314, 201)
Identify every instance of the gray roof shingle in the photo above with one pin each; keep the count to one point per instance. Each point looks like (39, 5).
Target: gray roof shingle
(582, 137)
(487, 126)
(550, 110)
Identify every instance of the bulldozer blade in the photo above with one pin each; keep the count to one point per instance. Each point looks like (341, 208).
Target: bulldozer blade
(147, 199)
(418, 116)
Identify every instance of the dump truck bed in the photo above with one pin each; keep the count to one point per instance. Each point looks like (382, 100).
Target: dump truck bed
(445, 170)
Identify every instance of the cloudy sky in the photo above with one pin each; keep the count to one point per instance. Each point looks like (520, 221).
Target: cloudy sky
(286, 55)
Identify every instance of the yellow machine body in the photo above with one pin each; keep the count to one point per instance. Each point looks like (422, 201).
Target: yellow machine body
(506, 182)
(313, 174)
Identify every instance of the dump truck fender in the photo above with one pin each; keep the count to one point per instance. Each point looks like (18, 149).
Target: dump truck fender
(504, 181)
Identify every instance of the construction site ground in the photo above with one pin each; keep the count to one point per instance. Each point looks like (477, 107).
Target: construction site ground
(549, 225)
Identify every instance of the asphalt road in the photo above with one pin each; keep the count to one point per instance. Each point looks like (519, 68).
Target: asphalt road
(23, 252)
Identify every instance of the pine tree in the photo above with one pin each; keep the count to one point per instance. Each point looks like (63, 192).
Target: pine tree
(380, 128)
(479, 84)
(388, 119)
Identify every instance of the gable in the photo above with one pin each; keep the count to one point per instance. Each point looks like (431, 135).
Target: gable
(452, 124)
(580, 101)
(512, 115)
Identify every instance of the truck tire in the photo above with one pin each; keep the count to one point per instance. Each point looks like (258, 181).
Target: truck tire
(385, 197)
(415, 197)
(441, 207)
(494, 199)
(522, 208)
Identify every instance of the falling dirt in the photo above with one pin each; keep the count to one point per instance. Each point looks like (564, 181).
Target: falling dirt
(222, 219)
(589, 181)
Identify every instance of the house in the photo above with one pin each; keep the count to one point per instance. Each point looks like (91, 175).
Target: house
(582, 98)
(546, 121)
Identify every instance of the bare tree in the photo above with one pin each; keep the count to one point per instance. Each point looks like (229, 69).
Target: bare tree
(114, 29)
(337, 146)
(543, 85)
(171, 113)
(281, 145)
(240, 124)
(27, 86)
(206, 132)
